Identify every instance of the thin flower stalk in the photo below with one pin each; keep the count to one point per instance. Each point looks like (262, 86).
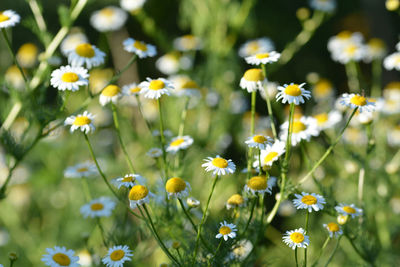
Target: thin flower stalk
(269, 106)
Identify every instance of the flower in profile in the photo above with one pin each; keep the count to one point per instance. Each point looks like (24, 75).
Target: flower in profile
(296, 239)
(141, 49)
(84, 122)
(192, 202)
(292, 93)
(176, 187)
(263, 58)
(81, 170)
(8, 18)
(100, 207)
(259, 141)
(260, 185)
(350, 210)
(337, 42)
(154, 89)
(86, 54)
(226, 230)
(27, 55)
(69, 78)
(60, 256)
(111, 93)
(128, 180)
(357, 101)
(256, 46)
(139, 195)
(323, 5)
(154, 152)
(241, 250)
(270, 154)
(392, 62)
(132, 5)
(179, 143)
(252, 80)
(323, 90)
(108, 19)
(374, 49)
(303, 129)
(333, 229)
(327, 120)
(72, 40)
(131, 89)
(309, 201)
(117, 255)
(234, 201)
(187, 43)
(351, 51)
(219, 166)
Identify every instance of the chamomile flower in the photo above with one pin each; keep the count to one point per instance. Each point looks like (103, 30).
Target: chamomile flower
(179, 143)
(392, 62)
(188, 43)
(86, 169)
(69, 78)
(117, 255)
(100, 207)
(256, 46)
(234, 201)
(131, 89)
(322, 90)
(336, 43)
(128, 180)
(154, 153)
(292, 93)
(108, 19)
(226, 230)
(252, 80)
(219, 166)
(27, 55)
(83, 121)
(357, 101)
(263, 58)
(351, 51)
(303, 129)
(309, 201)
(111, 93)
(8, 18)
(350, 210)
(296, 239)
(132, 5)
(271, 154)
(260, 185)
(172, 62)
(139, 195)
(184, 86)
(192, 202)
(177, 188)
(327, 120)
(241, 250)
(72, 41)
(333, 229)
(154, 89)
(86, 54)
(141, 49)
(374, 49)
(323, 5)
(259, 141)
(60, 256)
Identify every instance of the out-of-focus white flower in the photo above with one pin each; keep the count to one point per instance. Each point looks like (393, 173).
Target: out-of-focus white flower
(108, 19)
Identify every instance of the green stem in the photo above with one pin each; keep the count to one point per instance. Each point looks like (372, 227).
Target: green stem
(295, 257)
(261, 235)
(333, 252)
(269, 106)
(321, 250)
(102, 232)
(251, 215)
(305, 250)
(65, 101)
(116, 76)
(86, 189)
(365, 258)
(140, 107)
(252, 127)
(259, 162)
(183, 117)
(216, 251)
(376, 78)
(162, 138)
(352, 76)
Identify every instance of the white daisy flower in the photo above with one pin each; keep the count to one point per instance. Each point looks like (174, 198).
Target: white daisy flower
(252, 80)
(260, 185)
(184, 86)
(27, 55)
(172, 62)
(219, 166)
(256, 46)
(323, 5)
(139, 195)
(86, 169)
(356, 100)
(69, 78)
(323, 90)
(351, 51)
(132, 5)
(72, 41)
(392, 61)
(270, 154)
(141, 49)
(270, 89)
(117, 255)
(128, 180)
(154, 89)
(111, 93)
(187, 43)
(303, 129)
(374, 49)
(351, 210)
(333, 229)
(259, 141)
(86, 54)
(234, 201)
(296, 238)
(60, 256)
(241, 250)
(154, 153)
(8, 18)
(192, 202)
(226, 230)
(108, 19)
(309, 201)
(131, 89)
(179, 143)
(177, 188)
(327, 120)
(292, 93)
(263, 58)
(84, 122)
(337, 42)
(100, 207)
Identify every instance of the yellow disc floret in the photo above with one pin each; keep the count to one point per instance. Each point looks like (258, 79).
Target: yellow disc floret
(111, 90)
(128, 179)
(293, 90)
(259, 139)
(69, 77)
(82, 120)
(117, 255)
(257, 183)
(298, 126)
(297, 237)
(3, 17)
(235, 199)
(96, 206)
(262, 55)
(175, 185)
(140, 46)
(156, 85)
(61, 259)
(333, 227)
(138, 192)
(270, 156)
(358, 100)
(349, 209)
(309, 200)
(85, 50)
(254, 75)
(321, 118)
(177, 142)
(220, 163)
(225, 230)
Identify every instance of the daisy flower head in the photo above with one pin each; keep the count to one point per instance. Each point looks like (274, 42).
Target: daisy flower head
(83, 121)
(271, 154)
(327, 120)
(27, 55)
(131, 89)
(8, 18)
(141, 49)
(292, 93)
(256, 46)
(296, 238)
(172, 62)
(350, 210)
(241, 250)
(392, 62)
(132, 5)
(357, 101)
(139, 195)
(260, 185)
(351, 51)
(72, 40)
(374, 49)
(128, 180)
(234, 201)
(86, 169)
(108, 19)
(111, 93)
(323, 5)
(154, 152)
(259, 141)
(154, 89)
(188, 43)
(69, 78)
(179, 143)
(60, 256)
(302, 129)
(252, 80)
(117, 255)
(309, 201)
(337, 42)
(322, 90)
(86, 54)
(219, 166)
(192, 202)
(176, 187)
(263, 58)
(226, 230)
(333, 229)
(100, 207)
(184, 86)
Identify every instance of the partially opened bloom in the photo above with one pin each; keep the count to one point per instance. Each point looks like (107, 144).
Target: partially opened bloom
(81, 170)
(263, 58)
(84, 122)
(271, 154)
(192, 202)
(100, 207)
(303, 129)
(117, 255)
(357, 101)
(131, 89)
(219, 166)
(110, 18)
(226, 230)
(333, 229)
(69, 78)
(328, 120)
(176, 187)
(252, 80)
(309, 202)
(86, 54)
(296, 238)
(111, 93)
(154, 89)
(392, 62)
(293, 93)
(234, 201)
(179, 143)
(260, 185)
(8, 18)
(188, 43)
(259, 141)
(139, 195)
(60, 256)
(128, 180)
(256, 46)
(351, 210)
(141, 49)
(27, 55)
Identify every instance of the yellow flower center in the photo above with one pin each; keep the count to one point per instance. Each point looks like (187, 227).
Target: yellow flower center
(3, 17)
(358, 100)
(190, 84)
(111, 90)
(344, 35)
(128, 179)
(138, 192)
(156, 85)
(257, 183)
(116, 255)
(189, 41)
(69, 77)
(61, 259)
(135, 89)
(96, 206)
(262, 55)
(297, 237)
(293, 90)
(298, 126)
(259, 139)
(28, 50)
(140, 46)
(309, 200)
(270, 156)
(225, 230)
(175, 185)
(323, 87)
(83, 169)
(349, 209)
(321, 118)
(350, 49)
(85, 50)
(82, 120)
(220, 163)
(235, 199)
(333, 227)
(253, 47)
(376, 43)
(177, 142)
(254, 75)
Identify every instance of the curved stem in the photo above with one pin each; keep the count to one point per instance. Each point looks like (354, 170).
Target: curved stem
(216, 251)
(116, 76)
(333, 252)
